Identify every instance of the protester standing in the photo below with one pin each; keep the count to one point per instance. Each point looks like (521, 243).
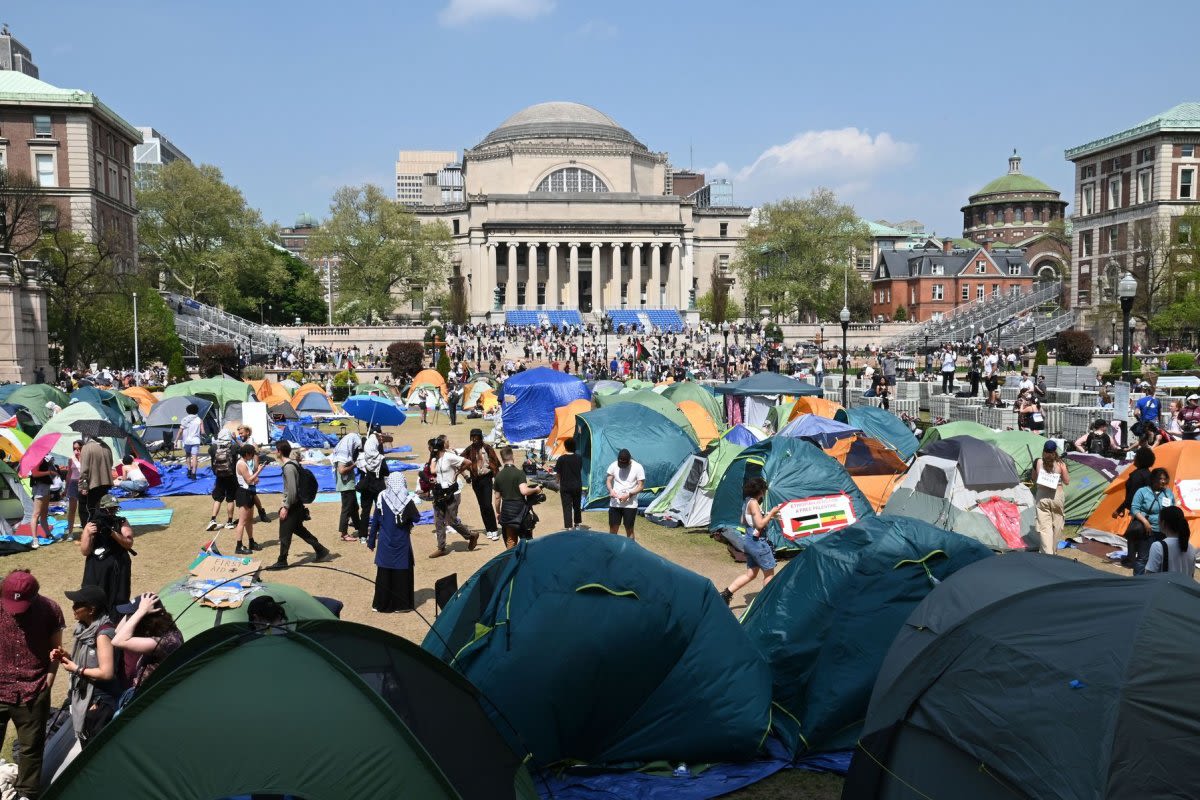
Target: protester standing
(452, 399)
(949, 361)
(31, 629)
(760, 557)
(94, 688)
(41, 485)
(293, 513)
(391, 541)
(569, 469)
(248, 471)
(106, 544)
(148, 631)
(191, 432)
(224, 457)
(1174, 552)
(345, 457)
(1050, 478)
(483, 464)
(73, 488)
(625, 479)
(510, 492)
(373, 471)
(95, 475)
(446, 466)
(1137, 539)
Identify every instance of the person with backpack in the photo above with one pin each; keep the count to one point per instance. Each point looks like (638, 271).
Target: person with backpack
(373, 472)
(223, 456)
(446, 466)
(1148, 505)
(299, 489)
(1174, 552)
(1098, 441)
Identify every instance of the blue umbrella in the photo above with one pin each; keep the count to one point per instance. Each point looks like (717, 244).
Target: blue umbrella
(374, 410)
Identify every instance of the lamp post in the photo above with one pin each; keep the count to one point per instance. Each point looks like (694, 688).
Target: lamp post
(478, 352)
(844, 317)
(137, 364)
(725, 333)
(606, 326)
(1126, 290)
(1112, 342)
(301, 352)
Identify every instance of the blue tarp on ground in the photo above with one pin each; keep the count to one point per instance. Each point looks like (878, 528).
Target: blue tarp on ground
(305, 437)
(528, 400)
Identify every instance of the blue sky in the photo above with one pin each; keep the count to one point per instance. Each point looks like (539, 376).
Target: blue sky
(903, 108)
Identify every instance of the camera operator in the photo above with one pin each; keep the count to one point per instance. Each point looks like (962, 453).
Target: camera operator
(107, 544)
(515, 498)
(1189, 417)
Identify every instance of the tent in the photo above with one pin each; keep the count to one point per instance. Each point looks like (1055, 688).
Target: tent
(884, 426)
(289, 384)
(981, 464)
(270, 392)
(167, 414)
(1008, 682)
(105, 402)
(769, 384)
(698, 393)
(393, 702)
(312, 399)
(687, 499)
(192, 618)
(219, 391)
(475, 388)
(825, 622)
(701, 421)
(60, 423)
(13, 443)
(603, 387)
(15, 503)
(374, 388)
(528, 400)
(794, 470)
(425, 379)
(936, 490)
(564, 425)
(1181, 459)
(829, 409)
(744, 434)
(778, 415)
(648, 662)
(655, 442)
(821, 431)
(1023, 446)
(33, 398)
(652, 400)
(1090, 477)
(283, 411)
(142, 396)
(876, 469)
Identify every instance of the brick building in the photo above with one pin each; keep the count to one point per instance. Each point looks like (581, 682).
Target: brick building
(932, 281)
(79, 152)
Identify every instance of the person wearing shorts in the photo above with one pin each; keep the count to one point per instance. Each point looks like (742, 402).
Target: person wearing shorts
(191, 429)
(247, 471)
(760, 557)
(625, 479)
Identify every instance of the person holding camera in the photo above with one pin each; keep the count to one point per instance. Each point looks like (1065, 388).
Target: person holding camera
(512, 496)
(446, 466)
(107, 544)
(293, 513)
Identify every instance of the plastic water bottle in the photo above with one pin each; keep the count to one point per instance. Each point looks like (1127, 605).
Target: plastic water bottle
(681, 771)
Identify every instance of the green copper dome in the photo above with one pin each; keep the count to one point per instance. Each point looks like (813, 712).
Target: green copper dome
(1015, 183)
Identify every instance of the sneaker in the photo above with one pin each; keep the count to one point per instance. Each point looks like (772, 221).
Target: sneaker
(727, 596)
(493, 535)
(278, 565)
(439, 553)
(230, 525)
(242, 550)
(35, 544)
(349, 537)
(255, 546)
(472, 541)
(212, 525)
(362, 540)
(322, 555)
(262, 517)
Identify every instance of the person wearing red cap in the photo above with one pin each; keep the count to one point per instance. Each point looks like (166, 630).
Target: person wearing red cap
(31, 628)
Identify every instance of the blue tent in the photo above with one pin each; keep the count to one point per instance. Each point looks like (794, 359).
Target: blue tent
(655, 442)
(794, 469)
(528, 400)
(315, 403)
(596, 650)
(819, 430)
(886, 427)
(743, 435)
(825, 623)
(769, 383)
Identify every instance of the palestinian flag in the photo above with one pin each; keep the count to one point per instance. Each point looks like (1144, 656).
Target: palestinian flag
(643, 353)
(819, 522)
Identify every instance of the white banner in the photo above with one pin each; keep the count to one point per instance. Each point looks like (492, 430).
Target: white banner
(812, 516)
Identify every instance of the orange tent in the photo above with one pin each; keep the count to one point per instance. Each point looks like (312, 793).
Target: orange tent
(426, 377)
(1181, 460)
(702, 421)
(564, 425)
(144, 397)
(873, 466)
(818, 406)
(488, 402)
(269, 392)
(306, 389)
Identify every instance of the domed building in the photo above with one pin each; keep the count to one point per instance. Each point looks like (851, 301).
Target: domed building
(1019, 210)
(564, 210)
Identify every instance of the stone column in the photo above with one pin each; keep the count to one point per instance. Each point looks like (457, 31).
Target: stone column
(618, 276)
(686, 273)
(531, 275)
(673, 278)
(491, 277)
(635, 277)
(597, 280)
(552, 277)
(573, 278)
(653, 293)
(510, 284)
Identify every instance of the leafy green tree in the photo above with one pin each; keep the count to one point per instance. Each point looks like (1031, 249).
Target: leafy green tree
(1181, 312)
(901, 314)
(107, 328)
(197, 232)
(443, 365)
(283, 288)
(385, 254)
(81, 273)
(797, 258)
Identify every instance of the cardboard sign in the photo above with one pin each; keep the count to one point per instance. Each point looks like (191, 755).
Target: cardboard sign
(1049, 480)
(812, 516)
(1188, 492)
(221, 569)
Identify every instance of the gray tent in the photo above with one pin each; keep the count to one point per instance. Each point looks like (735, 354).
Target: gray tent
(982, 464)
(1029, 676)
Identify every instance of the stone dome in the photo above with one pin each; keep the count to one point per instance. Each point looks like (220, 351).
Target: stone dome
(559, 120)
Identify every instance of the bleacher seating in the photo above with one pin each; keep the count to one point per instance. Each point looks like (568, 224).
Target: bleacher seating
(521, 318)
(567, 318)
(668, 320)
(625, 317)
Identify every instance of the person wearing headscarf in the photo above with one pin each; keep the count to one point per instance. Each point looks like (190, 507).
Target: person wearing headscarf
(391, 541)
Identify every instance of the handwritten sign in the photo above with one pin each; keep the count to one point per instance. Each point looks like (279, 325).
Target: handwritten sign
(812, 516)
(1188, 492)
(220, 569)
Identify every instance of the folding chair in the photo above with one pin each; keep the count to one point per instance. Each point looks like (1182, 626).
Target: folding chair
(443, 590)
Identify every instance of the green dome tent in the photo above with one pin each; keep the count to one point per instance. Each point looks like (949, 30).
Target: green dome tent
(599, 651)
(337, 710)
(1090, 478)
(825, 622)
(698, 393)
(794, 470)
(33, 398)
(652, 400)
(687, 500)
(60, 423)
(655, 442)
(193, 618)
(218, 391)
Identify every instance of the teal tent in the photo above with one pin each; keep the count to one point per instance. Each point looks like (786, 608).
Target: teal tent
(388, 704)
(794, 470)
(698, 393)
(825, 622)
(103, 401)
(886, 427)
(33, 398)
(596, 650)
(652, 400)
(655, 442)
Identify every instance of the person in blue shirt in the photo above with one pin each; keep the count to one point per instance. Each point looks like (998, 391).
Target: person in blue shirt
(391, 541)
(1147, 408)
(1148, 503)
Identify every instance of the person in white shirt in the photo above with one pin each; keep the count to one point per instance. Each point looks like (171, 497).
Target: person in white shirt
(625, 479)
(191, 430)
(949, 362)
(1026, 384)
(446, 466)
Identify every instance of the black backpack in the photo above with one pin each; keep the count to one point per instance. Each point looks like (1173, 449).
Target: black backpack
(306, 484)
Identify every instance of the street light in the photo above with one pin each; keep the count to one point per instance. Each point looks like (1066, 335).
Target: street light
(301, 352)
(844, 317)
(1113, 339)
(1126, 290)
(725, 333)
(606, 326)
(137, 366)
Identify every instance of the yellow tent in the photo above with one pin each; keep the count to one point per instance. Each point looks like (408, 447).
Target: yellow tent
(564, 425)
(702, 421)
(144, 397)
(815, 405)
(873, 466)
(488, 401)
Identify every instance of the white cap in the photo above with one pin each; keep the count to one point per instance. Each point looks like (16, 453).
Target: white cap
(1193, 397)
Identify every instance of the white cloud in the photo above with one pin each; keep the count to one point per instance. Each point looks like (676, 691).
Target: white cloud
(844, 159)
(598, 29)
(460, 12)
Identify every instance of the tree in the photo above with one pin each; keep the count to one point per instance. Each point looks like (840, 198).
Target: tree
(405, 359)
(196, 231)
(1042, 357)
(797, 258)
(1076, 348)
(281, 289)
(20, 202)
(81, 272)
(385, 253)
(443, 365)
(718, 296)
(901, 314)
(217, 359)
(107, 328)
(1180, 310)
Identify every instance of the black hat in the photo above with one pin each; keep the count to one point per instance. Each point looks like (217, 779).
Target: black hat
(89, 596)
(475, 432)
(265, 608)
